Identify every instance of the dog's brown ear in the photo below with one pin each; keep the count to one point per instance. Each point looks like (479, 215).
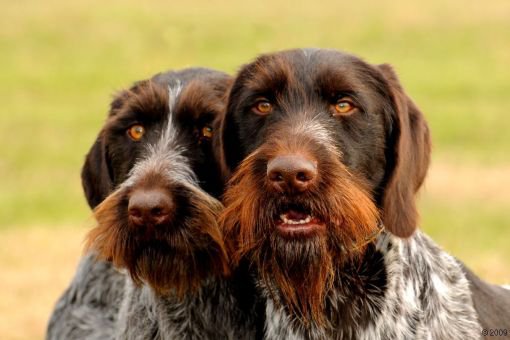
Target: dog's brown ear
(408, 160)
(95, 176)
(217, 144)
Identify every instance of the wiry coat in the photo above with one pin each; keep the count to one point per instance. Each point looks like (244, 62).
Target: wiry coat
(88, 308)
(403, 289)
(213, 312)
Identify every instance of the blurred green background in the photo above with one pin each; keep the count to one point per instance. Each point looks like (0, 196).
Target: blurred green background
(60, 62)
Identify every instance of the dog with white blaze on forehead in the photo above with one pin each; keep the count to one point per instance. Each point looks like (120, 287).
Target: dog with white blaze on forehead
(328, 153)
(155, 177)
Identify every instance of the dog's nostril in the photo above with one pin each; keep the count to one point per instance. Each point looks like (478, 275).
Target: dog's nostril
(275, 176)
(156, 211)
(303, 177)
(135, 212)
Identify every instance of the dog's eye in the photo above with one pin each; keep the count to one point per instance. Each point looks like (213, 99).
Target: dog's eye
(344, 107)
(263, 107)
(207, 132)
(136, 132)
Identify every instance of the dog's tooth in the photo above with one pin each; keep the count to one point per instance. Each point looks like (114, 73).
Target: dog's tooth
(284, 218)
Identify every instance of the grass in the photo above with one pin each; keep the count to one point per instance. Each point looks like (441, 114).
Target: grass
(60, 61)
(34, 276)
(465, 209)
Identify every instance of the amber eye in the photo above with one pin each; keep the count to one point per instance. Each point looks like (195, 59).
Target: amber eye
(344, 107)
(263, 107)
(136, 132)
(207, 132)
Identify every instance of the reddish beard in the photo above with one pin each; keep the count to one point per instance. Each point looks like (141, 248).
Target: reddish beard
(298, 271)
(176, 258)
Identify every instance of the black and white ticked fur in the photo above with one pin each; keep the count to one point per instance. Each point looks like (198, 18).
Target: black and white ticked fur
(406, 289)
(89, 307)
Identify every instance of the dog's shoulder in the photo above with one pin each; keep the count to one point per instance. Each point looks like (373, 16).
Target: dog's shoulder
(88, 308)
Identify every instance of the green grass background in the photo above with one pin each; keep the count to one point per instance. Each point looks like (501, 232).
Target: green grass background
(60, 62)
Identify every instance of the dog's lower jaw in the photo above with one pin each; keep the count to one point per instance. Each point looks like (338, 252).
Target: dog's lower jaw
(404, 289)
(212, 312)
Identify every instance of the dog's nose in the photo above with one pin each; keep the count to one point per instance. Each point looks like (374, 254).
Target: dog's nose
(149, 207)
(291, 173)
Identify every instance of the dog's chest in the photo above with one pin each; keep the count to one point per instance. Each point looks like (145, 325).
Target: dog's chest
(403, 290)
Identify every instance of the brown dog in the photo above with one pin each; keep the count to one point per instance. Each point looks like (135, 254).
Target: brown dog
(155, 177)
(160, 223)
(328, 153)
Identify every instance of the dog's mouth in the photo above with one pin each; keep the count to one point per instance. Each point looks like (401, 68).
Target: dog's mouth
(296, 221)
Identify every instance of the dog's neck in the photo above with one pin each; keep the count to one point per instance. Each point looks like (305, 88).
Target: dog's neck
(215, 310)
(391, 294)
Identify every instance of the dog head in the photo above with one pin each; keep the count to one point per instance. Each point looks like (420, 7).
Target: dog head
(325, 148)
(151, 174)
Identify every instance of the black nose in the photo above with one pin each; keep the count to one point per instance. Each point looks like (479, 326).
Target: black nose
(149, 207)
(291, 173)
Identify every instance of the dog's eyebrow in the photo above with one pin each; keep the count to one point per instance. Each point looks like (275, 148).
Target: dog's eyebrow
(335, 83)
(147, 103)
(269, 75)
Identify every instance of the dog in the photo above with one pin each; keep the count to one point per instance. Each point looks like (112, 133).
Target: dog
(152, 176)
(160, 224)
(328, 153)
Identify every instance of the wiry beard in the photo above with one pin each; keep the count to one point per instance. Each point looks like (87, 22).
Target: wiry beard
(176, 258)
(298, 271)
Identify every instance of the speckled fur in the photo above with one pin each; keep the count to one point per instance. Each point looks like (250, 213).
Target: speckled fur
(425, 296)
(211, 313)
(88, 308)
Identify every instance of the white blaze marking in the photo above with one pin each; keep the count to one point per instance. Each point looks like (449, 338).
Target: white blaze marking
(314, 129)
(166, 155)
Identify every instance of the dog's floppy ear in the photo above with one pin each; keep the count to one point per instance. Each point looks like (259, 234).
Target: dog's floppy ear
(95, 175)
(222, 88)
(408, 160)
(230, 142)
